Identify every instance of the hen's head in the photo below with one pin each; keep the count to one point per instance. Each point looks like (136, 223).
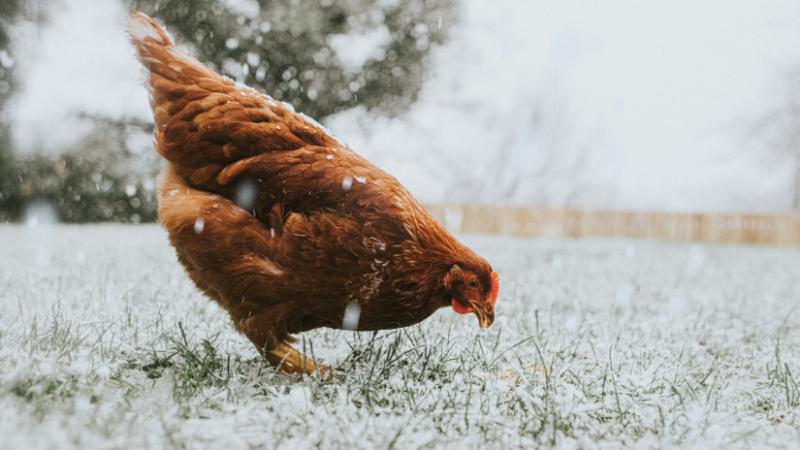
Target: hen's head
(473, 288)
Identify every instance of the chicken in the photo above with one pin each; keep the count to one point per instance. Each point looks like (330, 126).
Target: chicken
(284, 226)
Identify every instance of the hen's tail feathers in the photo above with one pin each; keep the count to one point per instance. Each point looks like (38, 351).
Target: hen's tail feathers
(173, 80)
(150, 40)
(141, 28)
(157, 52)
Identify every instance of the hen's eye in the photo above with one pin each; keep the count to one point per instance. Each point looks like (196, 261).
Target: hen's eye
(474, 283)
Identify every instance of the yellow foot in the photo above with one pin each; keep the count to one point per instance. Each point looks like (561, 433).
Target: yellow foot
(289, 360)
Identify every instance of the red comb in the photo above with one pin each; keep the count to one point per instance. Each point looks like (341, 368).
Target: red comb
(495, 288)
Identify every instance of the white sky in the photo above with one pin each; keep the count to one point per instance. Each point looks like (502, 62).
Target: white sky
(661, 96)
(81, 61)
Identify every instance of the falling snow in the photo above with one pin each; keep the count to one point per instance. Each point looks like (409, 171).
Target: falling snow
(231, 43)
(246, 193)
(40, 213)
(352, 314)
(199, 225)
(347, 183)
(6, 60)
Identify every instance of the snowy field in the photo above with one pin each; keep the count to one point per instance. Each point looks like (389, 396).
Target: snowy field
(104, 343)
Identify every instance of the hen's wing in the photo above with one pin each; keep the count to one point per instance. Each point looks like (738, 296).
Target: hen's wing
(324, 260)
(219, 134)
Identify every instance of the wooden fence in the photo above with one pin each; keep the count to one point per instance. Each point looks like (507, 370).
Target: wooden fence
(773, 229)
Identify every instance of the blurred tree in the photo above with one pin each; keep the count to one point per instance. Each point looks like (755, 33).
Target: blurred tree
(322, 56)
(299, 51)
(9, 202)
(12, 201)
(779, 131)
(101, 178)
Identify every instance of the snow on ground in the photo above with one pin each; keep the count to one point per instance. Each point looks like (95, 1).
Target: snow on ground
(104, 343)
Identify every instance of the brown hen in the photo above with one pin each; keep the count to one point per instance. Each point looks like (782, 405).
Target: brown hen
(285, 227)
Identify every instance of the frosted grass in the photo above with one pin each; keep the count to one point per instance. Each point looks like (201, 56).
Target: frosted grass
(104, 343)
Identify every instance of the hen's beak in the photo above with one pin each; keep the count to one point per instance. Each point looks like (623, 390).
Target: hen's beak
(485, 314)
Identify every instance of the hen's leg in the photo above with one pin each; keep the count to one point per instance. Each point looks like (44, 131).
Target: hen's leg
(268, 333)
(292, 361)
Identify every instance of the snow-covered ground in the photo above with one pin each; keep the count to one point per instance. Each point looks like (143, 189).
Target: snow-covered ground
(104, 343)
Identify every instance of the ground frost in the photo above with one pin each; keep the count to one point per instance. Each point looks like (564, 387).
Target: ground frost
(596, 343)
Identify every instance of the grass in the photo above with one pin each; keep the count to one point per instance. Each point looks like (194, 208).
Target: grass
(597, 344)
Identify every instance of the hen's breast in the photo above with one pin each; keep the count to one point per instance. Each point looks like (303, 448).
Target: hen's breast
(342, 259)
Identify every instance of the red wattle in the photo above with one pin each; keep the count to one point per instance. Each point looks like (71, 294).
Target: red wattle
(459, 308)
